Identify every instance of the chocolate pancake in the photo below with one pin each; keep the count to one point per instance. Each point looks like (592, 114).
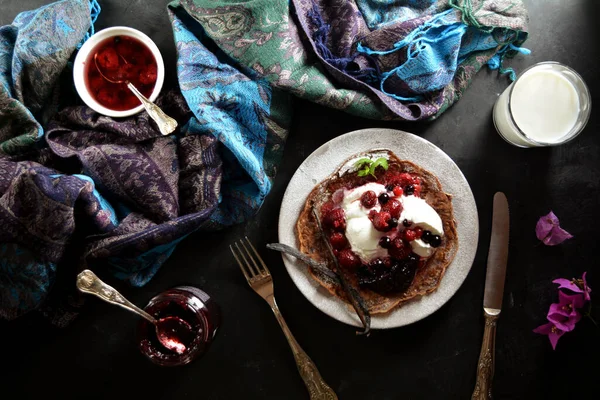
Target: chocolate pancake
(428, 275)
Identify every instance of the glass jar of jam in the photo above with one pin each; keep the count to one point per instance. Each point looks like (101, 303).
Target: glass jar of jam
(193, 306)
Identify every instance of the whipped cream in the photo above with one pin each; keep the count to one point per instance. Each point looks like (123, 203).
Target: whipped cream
(360, 232)
(421, 214)
(364, 238)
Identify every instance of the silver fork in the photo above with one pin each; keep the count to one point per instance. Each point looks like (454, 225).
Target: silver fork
(259, 279)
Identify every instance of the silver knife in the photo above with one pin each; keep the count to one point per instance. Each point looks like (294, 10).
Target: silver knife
(492, 298)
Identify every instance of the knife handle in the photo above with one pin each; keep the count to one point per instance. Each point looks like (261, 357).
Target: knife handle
(485, 366)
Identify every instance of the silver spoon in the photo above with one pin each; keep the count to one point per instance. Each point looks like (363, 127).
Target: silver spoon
(166, 124)
(167, 328)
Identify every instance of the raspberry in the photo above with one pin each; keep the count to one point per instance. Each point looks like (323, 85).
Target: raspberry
(326, 209)
(381, 221)
(406, 178)
(129, 71)
(148, 75)
(394, 207)
(368, 199)
(399, 249)
(398, 191)
(338, 240)
(108, 58)
(418, 232)
(96, 82)
(417, 188)
(372, 214)
(336, 220)
(106, 97)
(410, 235)
(348, 259)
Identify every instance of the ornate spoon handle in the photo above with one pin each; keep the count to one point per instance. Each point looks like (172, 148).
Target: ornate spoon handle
(166, 124)
(485, 366)
(88, 282)
(317, 388)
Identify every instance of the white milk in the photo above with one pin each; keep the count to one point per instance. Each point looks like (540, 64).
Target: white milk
(545, 107)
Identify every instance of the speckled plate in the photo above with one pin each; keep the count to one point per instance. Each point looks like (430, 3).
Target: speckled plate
(323, 161)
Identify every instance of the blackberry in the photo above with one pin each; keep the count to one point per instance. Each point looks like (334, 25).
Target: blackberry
(385, 242)
(383, 198)
(426, 237)
(435, 240)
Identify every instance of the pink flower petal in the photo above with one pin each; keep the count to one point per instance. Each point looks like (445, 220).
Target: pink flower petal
(554, 333)
(570, 285)
(567, 284)
(557, 236)
(586, 289)
(564, 323)
(560, 312)
(554, 338)
(544, 329)
(545, 224)
(564, 314)
(548, 230)
(576, 300)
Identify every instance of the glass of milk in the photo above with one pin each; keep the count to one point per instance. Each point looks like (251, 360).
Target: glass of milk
(548, 104)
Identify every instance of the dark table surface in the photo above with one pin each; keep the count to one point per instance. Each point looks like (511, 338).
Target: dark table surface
(96, 356)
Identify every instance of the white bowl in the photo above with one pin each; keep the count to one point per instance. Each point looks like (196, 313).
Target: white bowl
(84, 53)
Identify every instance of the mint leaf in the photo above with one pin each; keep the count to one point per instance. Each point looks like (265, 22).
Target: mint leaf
(382, 162)
(362, 162)
(366, 166)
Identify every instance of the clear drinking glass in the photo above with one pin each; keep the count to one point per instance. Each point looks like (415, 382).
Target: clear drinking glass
(547, 105)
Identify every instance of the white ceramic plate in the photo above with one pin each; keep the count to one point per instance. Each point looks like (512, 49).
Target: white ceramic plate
(323, 161)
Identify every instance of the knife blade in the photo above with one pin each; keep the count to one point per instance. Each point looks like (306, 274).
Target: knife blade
(497, 256)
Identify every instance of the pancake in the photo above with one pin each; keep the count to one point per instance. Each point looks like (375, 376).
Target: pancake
(429, 273)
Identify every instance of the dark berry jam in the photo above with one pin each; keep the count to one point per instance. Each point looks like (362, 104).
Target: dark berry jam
(189, 304)
(384, 279)
(120, 58)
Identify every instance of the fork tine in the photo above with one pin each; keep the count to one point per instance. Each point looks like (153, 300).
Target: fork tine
(240, 264)
(258, 256)
(251, 258)
(252, 272)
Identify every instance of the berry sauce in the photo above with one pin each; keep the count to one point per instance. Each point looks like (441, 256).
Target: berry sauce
(120, 58)
(189, 304)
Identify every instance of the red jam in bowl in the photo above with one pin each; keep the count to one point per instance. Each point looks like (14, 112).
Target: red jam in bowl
(120, 58)
(193, 306)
